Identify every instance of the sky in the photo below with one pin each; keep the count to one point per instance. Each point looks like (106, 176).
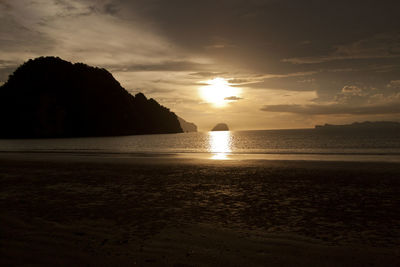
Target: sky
(253, 64)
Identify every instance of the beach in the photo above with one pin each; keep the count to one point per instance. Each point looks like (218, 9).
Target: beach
(103, 210)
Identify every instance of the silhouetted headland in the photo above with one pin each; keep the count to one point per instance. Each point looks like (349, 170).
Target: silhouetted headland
(220, 127)
(51, 97)
(381, 126)
(187, 127)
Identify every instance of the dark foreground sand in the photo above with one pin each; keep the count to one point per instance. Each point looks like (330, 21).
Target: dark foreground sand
(60, 209)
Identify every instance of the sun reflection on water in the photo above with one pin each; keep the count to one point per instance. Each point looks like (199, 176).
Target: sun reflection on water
(220, 144)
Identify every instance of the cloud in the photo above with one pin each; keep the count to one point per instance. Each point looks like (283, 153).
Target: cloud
(220, 43)
(84, 31)
(377, 47)
(264, 80)
(5, 72)
(395, 84)
(352, 95)
(6, 68)
(233, 98)
(334, 109)
(111, 8)
(208, 74)
(152, 90)
(19, 40)
(161, 66)
(351, 99)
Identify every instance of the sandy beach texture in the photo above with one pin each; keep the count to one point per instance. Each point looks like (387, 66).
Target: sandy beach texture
(81, 210)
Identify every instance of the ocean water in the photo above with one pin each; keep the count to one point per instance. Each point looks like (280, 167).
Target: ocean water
(303, 144)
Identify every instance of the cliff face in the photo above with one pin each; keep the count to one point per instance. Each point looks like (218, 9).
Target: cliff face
(187, 127)
(50, 97)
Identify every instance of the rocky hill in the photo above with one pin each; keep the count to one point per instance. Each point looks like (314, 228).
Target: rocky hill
(50, 97)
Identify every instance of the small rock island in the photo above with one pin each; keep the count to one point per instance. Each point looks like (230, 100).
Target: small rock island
(220, 127)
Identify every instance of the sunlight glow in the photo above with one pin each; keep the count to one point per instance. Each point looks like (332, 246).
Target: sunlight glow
(220, 144)
(218, 92)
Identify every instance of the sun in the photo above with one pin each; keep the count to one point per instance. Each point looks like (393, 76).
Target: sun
(218, 92)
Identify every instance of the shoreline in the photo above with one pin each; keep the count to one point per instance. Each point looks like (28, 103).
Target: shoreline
(208, 156)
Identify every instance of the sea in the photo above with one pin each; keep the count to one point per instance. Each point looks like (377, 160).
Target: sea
(297, 144)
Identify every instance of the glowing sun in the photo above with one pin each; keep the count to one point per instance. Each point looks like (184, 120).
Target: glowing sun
(218, 92)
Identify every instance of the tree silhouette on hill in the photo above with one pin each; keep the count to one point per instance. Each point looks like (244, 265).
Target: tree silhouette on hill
(51, 97)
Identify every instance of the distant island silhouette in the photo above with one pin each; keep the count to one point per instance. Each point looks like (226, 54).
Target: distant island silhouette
(187, 127)
(362, 126)
(220, 127)
(49, 97)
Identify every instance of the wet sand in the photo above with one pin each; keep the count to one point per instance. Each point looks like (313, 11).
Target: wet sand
(61, 209)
